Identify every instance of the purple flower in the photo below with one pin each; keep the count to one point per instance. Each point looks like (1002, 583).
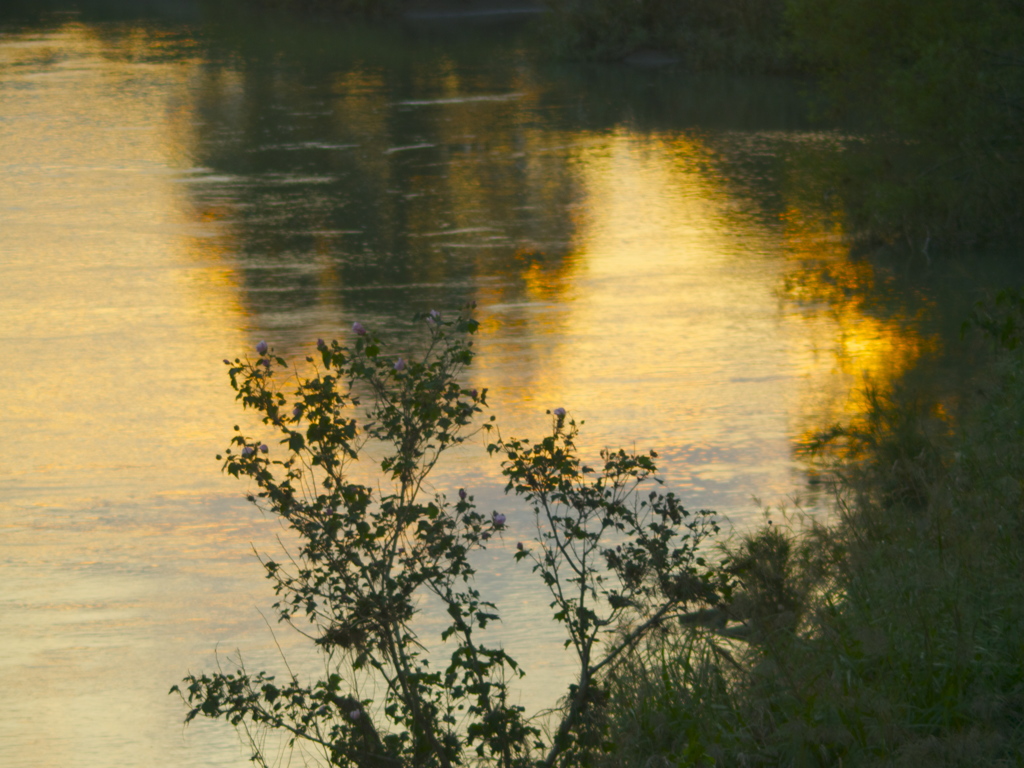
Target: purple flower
(485, 535)
(400, 365)
(226, 361)
(519, 546)
(321, 344)
(473, 393)
(462, 494)
(559, 412)
(265, 362)
(248, 451)
(262, 347)
(297, 411)
(434, 317)
(357, 329)
(498, 520)
(264, 448)
(355, 714)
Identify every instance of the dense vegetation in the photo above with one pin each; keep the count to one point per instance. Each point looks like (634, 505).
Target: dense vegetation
(888, 638)
(945, 81)
(730, 35)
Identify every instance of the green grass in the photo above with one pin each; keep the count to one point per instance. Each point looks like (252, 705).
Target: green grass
(893, 636)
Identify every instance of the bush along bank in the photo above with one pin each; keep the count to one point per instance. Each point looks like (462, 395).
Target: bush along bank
(889, 638)
(364, 560)
(944, 82)
(719, 35)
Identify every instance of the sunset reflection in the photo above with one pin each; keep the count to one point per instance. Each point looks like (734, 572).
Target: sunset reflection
(169, 198)
(861, 345)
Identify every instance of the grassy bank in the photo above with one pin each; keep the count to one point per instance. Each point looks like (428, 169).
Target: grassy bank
(942, 86)
(893, 636)
(717, 35)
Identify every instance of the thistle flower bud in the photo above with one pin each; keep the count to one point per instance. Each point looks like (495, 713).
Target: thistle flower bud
(358, 329)
(262, 347)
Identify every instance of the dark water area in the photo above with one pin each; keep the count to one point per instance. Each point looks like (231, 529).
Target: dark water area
(660, 253)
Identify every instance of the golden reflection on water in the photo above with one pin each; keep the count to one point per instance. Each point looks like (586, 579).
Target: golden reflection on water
(113, 406)
(90, 199)
(869, 345)
(146, 236)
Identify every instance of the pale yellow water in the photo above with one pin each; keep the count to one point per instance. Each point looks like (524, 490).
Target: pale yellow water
(166, 202)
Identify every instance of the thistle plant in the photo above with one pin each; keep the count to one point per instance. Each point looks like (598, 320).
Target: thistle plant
(618, 564)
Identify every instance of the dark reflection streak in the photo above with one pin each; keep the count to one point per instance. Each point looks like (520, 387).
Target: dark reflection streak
(298, 126)
(268, 123)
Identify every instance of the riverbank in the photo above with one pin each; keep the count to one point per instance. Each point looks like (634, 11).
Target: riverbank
(890, 636)
(937, 86)
(738, 36)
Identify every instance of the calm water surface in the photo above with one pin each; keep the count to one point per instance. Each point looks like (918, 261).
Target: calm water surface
(648, 250)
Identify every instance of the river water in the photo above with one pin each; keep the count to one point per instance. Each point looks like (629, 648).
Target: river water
(654, 252)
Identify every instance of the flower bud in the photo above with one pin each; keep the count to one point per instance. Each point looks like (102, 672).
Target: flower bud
(248, 451)
(321, 344)
(262, 347)
(264, 448)
(498, 519)
(297, 411)
(358, 329)
(355, 714)
(559, 412)
(462, 494)
(400, 365)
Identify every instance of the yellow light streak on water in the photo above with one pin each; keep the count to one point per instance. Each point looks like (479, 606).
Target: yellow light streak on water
(113, 408)
(858, 348)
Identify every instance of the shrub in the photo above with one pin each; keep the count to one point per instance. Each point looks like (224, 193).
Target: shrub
(619, 562)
